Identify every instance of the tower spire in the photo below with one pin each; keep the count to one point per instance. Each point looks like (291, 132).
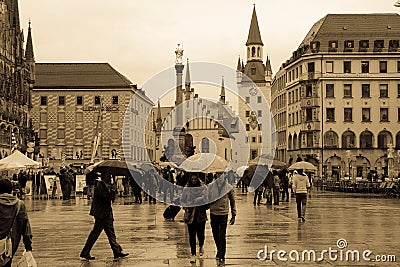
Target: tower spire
(29, 55)
(239, 65)
(222, 95)
(187, 78)
(254, 37)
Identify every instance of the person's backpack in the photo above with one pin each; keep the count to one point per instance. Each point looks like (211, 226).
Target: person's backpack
(6, 243)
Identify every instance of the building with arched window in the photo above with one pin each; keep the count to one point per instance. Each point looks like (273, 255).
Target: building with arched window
(339, 93)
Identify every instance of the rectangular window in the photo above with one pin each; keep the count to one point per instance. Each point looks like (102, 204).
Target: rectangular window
(43, 117)
(329, 66)
(115, 100)
(330, 114)
(366, 114)
(259, 99)
(254, 139)
(247, 113)
(61, 133)
(253, 153)
(260, 139)
(309, 116)
(260, 127)
(297, 95)
(79, 116)
(311, 67)
(383, 90)
(330, 90)
(253, 71)
(364, 66)
(348, 114)
(114, 117)
(43, 134)
(97, 100)
(365, 91)
(347, 66)
(247, 127)
(61, 117)
(61, 100)
(79, 100)
(398, 66)
(398, 114)
(347, 91)
(398, 90)
(378, 45)
(308, 90)
(259, 113)
(363, 45)
(114, 134)
(247, 99)
(78, 133)
(43, 100)
(290, 119)
(290, 97)
(384, 114)
(382, 66)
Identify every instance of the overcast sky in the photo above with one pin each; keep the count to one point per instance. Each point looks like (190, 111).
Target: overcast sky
(139, 38)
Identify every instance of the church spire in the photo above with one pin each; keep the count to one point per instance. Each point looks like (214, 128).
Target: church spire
(239, 65)
(268, 67)
(254, 37)
(29, 55)
(159, 119)
(187, 79)
(222, 95)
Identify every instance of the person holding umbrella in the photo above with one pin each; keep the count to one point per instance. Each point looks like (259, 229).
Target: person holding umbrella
(104, 195)
(301, 184)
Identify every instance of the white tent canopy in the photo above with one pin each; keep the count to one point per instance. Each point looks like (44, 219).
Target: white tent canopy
(17, 160)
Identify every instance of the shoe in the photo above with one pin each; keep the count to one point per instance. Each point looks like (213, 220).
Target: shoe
(87, 257)
(120, 255)
(221, 262)
(303, 219)
(193, 259)
(201, 251)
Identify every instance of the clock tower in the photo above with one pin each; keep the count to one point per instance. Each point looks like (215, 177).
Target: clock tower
(254, 80)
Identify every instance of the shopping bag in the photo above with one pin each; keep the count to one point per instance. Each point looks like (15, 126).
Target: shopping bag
(27, 260)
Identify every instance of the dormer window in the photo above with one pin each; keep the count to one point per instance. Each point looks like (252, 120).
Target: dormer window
(333, 46)
(393, 45)
(314, 46)
(364, 45)
(348, 45)
(378, 45)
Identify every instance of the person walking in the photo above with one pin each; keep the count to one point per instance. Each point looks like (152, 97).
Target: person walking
(301, 184)
(222, 195)
(277, 186)
(104, 195)
(195, 214)
(285, 184)
(258, 195)
(14, 218)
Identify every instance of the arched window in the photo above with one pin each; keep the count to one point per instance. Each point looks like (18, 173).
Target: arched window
(258, 52)
(295, 142)
(253, 51)
(205, 145)
(366, 139)
(384, 138)
(398, 140)
(290, 140)
(348, 139)
(248, 52)
(331, 140)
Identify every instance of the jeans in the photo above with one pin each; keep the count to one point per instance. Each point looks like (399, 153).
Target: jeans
(276, 195)
(257, 197)
(285, 192)
(301, 200)
(218, 226)
(99, 225)
(193, 229)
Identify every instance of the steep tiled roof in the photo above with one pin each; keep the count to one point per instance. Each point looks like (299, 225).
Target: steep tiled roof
(79, 75)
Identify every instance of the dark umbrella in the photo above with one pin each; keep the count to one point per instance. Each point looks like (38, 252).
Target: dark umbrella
(255, 173)
(114, 167)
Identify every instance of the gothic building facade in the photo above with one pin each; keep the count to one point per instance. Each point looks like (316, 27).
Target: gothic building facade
(17, 77)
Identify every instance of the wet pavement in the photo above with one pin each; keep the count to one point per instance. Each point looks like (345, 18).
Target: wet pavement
(372, 223)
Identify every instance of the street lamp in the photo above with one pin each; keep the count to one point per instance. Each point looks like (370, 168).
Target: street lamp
(390, 158)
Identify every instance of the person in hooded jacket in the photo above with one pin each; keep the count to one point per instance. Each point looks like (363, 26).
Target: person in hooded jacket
(301, 184)
(20, 226)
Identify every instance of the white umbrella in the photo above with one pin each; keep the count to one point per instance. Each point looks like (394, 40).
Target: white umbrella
(240, 170)
(206, 163)
(17, 159)
(303, 165)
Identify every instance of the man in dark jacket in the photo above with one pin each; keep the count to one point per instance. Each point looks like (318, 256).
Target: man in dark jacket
(101, 209)
(21, 227)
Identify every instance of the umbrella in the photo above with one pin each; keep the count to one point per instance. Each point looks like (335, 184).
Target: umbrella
(164, 164)
(256, 173)
(11, 165)
(303, 165)
(205, 163)
(114, 167)
(91, 167)
(240, 170)
(17, 160)
(267, 159)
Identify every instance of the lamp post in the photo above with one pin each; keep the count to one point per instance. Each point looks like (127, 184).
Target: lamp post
(390, 158)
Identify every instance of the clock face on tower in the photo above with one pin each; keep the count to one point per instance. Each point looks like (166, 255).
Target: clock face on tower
(253, 91)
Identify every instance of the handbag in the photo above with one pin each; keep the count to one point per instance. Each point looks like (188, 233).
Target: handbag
(27, 260)
(6, 243)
